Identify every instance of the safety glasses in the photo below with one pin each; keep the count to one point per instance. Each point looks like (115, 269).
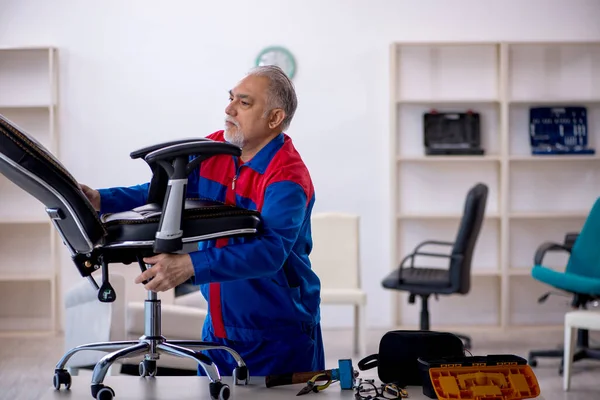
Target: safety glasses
(367, 390)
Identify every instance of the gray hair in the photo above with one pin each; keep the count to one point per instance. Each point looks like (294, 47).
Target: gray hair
(281, 91)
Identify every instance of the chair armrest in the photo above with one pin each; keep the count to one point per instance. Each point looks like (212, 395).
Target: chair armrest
(203, 148)
(570, 239)
(428, 254)
(416, 252)
(434, 242)
(546, 247)
(412, 255)
(171, 166)
(422, 244)
(141, 153)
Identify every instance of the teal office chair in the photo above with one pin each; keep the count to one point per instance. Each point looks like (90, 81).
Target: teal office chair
(581, 279)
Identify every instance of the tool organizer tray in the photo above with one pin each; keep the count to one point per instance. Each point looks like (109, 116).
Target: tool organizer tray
(493, 377)
(559, 130)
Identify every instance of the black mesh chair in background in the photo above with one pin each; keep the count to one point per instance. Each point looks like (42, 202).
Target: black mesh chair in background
(424, 282)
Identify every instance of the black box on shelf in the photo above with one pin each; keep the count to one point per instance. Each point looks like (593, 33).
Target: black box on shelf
(452, 133)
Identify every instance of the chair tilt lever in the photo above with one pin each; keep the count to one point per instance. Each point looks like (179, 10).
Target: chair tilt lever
(106, 293)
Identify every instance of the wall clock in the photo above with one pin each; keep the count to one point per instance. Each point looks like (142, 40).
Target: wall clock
(279, 56)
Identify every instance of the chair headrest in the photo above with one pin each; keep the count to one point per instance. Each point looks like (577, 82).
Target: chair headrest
(29, 145)
(32, 167)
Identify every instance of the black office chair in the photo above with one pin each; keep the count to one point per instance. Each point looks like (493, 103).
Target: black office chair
(157, 227)
(424, 282)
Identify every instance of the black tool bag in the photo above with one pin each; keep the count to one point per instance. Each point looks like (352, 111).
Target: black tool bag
(399, 351)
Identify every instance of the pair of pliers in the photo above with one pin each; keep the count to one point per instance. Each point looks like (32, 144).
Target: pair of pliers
(311, 385)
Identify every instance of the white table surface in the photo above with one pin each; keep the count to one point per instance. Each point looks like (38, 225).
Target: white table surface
(196, 388)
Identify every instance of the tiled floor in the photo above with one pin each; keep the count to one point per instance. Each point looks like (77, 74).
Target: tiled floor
(27, 364)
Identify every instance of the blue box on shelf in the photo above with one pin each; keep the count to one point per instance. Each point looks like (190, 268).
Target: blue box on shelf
(559, 130)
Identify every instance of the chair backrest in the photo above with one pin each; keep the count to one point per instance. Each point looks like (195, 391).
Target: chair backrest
(585, 254)
(466, 237)
(335, 254)
(34, 169)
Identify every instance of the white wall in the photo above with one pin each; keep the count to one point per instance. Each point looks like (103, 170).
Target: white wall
(137, 72)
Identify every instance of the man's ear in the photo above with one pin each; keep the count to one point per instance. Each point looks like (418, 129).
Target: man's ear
(276, 117)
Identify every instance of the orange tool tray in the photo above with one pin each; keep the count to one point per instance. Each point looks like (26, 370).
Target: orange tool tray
(481, 378)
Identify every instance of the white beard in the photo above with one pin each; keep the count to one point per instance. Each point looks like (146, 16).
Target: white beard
(237, 138)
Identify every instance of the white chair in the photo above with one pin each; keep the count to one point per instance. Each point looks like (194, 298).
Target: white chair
(336, 260)
(574, 320)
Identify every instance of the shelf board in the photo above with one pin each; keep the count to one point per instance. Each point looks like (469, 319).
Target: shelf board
(488, 328)
(447, 101)
(566, 157)
(39, 325)
(452, 43)
(25, 276)
(535, 327)
(485, 272)
(26, 333)
(484, 158)
(476, 328)
(440, 216)
(549, 215)
(519, 271)
(25, 106)
(553, 43)
(10, 221)
(36, 48)
(553, 102)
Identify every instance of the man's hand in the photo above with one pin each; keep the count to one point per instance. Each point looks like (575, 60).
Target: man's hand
(168, 271)
(92, 195)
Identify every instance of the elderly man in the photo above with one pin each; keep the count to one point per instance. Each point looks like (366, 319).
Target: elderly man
(262, 294)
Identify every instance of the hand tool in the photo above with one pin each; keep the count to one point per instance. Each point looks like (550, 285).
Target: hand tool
(311, 385)
(345, 374)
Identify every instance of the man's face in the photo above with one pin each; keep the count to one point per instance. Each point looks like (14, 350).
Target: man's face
(245, 120)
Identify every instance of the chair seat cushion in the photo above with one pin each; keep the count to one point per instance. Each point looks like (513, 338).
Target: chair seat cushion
(419, 280)
(566, 281)
(202, 220)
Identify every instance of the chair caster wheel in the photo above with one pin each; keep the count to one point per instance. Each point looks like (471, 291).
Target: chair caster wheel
(533, 362)
(101, 392)
(240, 376)
(219, 391)
(61, 377)
(147, 368)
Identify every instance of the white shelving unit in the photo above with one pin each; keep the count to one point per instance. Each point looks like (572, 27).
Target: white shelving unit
(531, 199)
(28, 259)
